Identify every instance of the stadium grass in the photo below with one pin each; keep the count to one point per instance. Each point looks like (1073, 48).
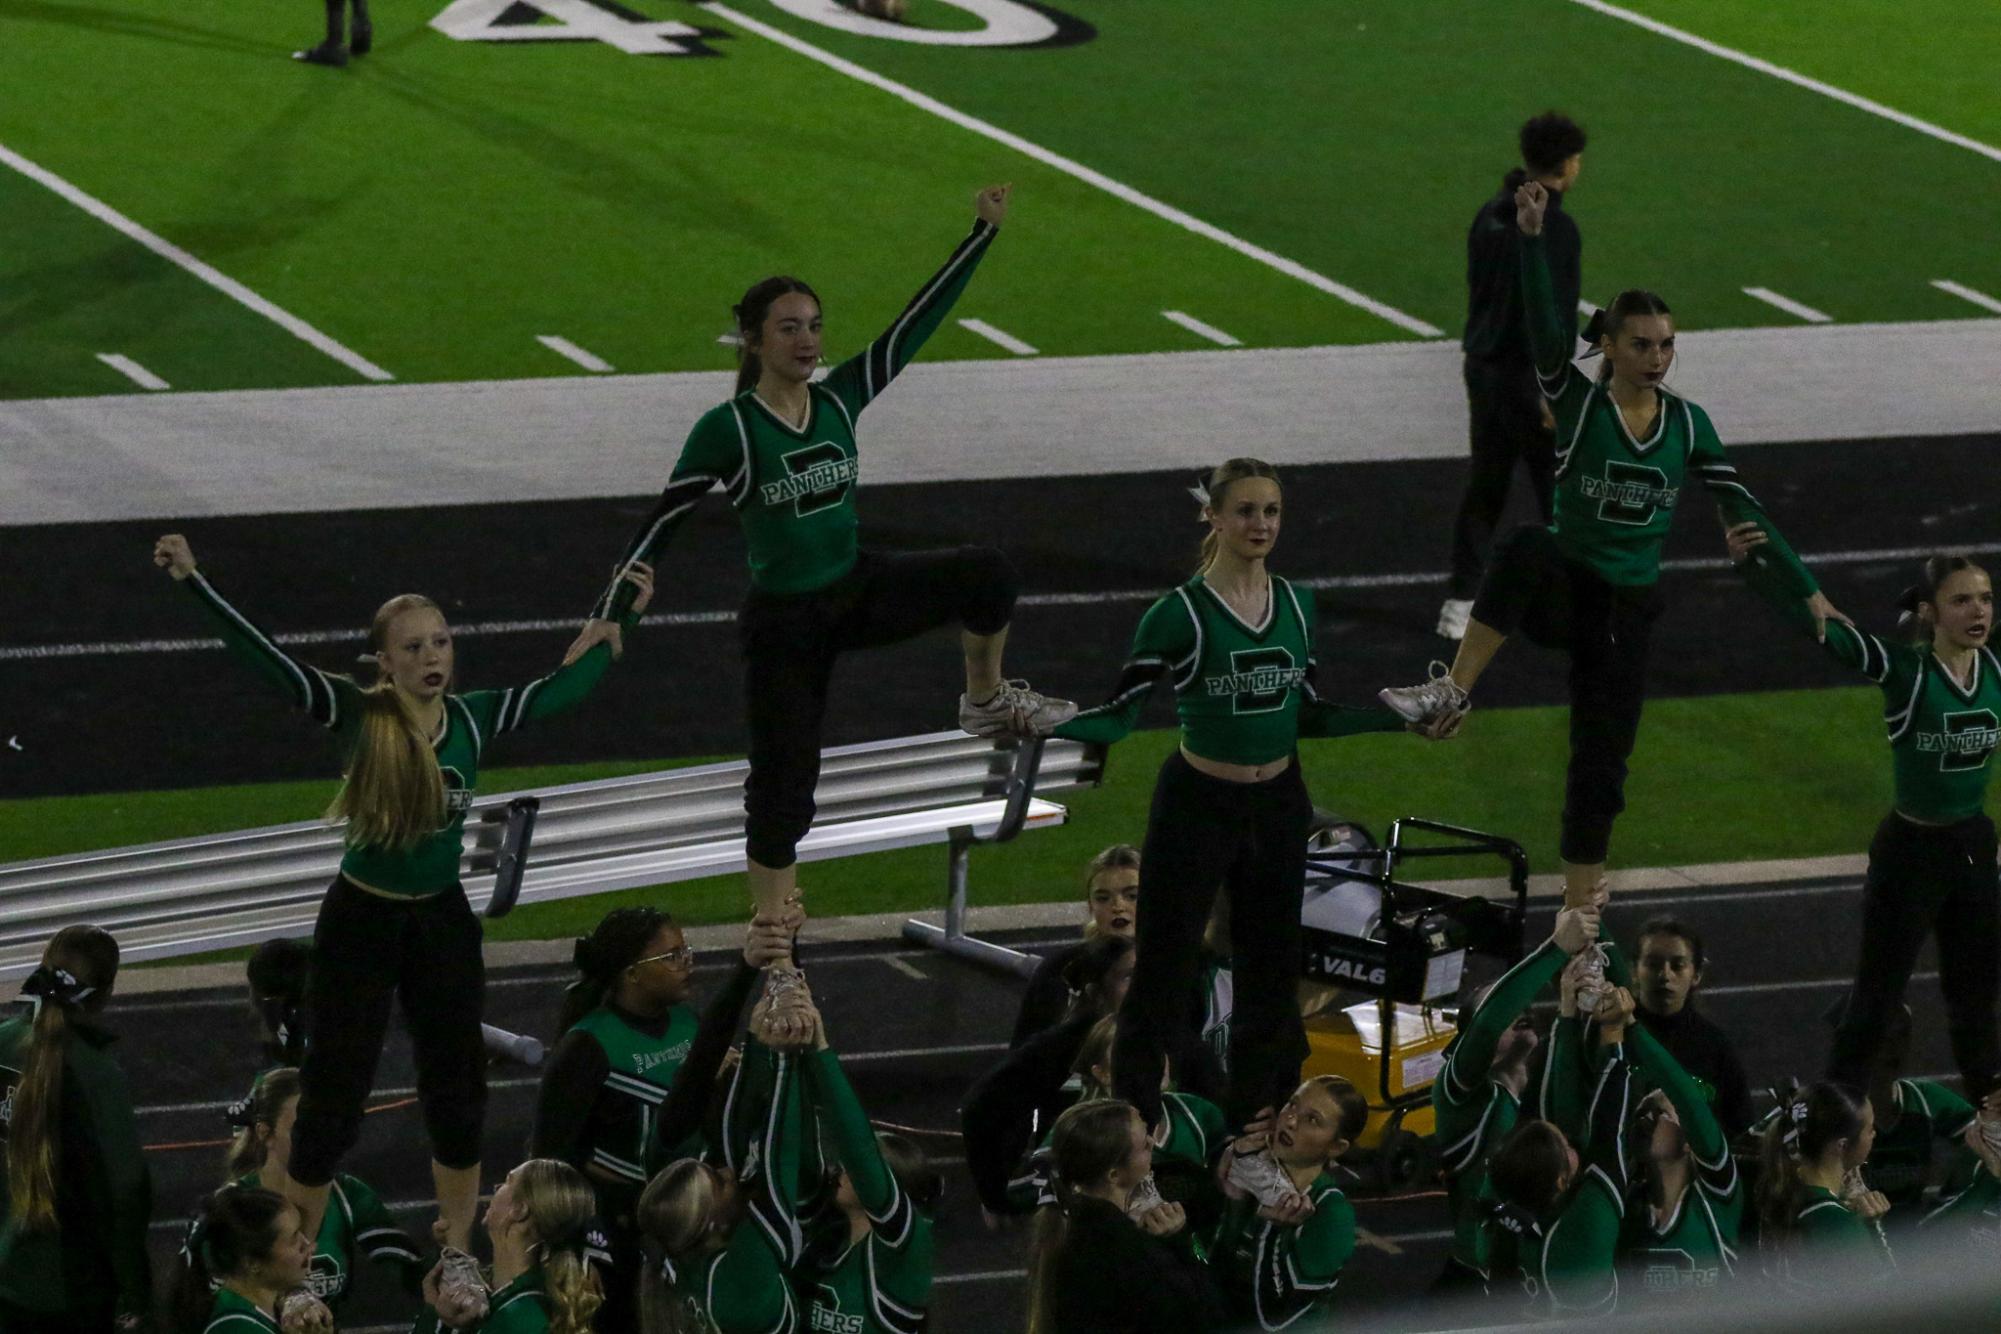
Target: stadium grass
(1361, 142)
(440, 204)
(1928, 58)
(1719, 778)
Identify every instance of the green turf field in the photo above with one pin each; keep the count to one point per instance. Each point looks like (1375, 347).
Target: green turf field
(439, 205)
(1789, 774)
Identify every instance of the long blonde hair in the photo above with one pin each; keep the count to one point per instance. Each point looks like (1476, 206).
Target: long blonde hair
(1218, 486)
(559, 1204)
(676, 1217)
(394, 793)
(78, 969)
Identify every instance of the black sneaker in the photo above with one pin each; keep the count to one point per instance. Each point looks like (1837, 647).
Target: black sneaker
(326, 53)
(362, 41)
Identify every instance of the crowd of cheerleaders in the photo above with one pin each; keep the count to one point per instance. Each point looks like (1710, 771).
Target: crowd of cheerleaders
(1183, 1174)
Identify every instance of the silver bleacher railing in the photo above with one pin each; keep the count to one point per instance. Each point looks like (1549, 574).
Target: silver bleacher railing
(192, 895)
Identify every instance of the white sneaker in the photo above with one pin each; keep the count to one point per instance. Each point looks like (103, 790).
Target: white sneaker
(1015, 710)
(1416, 704)
(1260, 1174)
(1145, 1196)
(1592, 988)
(460, 1284)
(1452, 618)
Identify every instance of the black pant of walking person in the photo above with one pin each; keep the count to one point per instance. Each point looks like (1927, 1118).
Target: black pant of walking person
(341, 41)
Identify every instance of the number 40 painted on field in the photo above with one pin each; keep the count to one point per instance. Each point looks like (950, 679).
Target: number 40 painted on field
(569, 21)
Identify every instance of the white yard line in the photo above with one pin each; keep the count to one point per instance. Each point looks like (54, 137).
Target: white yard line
(1966, 293)
(132, 371)
(1202, 329)
(569, 351)
(1794, 77)
(112, 648)
(1071, 167)
(999, 337)
(207, 273)
(1789, 306)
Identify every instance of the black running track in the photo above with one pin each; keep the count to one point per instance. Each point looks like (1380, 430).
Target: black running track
(103, 723)
(915, 1029)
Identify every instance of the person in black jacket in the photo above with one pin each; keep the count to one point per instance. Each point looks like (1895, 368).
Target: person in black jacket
(1106, 1259)
(1508, 418)
(1006, 1111)
(75, 1196)
(1667, 971)
(1111, 898)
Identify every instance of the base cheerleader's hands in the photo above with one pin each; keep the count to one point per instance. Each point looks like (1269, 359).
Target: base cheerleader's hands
(1442, 725)
(1576, 928)
(454, 1312)
(299, 1312)
(597, 630)
(1163, 1220)
(172, 554)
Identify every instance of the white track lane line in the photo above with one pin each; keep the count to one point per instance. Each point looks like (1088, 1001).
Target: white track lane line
(215, 278)
(1202, 330)
(132, 371)
(1841, 95)
(569, 351)
(1966, 293)
(113, 648)
(1789, 306)
(998, 336)
(1090, 176)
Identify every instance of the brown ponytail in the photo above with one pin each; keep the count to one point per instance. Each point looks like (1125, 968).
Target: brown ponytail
(1802, 1130)
(1606, 323)
(1218, 486)
(750, 313)
(1913, 623)
(394, 794)
(76, 975)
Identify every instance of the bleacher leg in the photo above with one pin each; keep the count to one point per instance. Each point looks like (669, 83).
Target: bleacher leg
(952, 937)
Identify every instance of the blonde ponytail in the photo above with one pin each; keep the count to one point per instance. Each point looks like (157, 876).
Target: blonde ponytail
(558, 1203)
(394, 793)
(1212, 494)
(76, 973)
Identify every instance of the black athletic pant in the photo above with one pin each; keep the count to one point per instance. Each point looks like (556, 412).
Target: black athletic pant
(1505, 423)
(790, 642)
(368, 949)
(1249, 839)
(1925, 879)
(1559, 603)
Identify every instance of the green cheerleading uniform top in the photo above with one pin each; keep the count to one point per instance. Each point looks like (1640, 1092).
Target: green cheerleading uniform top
(1567, 1259)
(1943, 735)
(1279, 1273)
(355, 1223)
(882, 1283)
(1831, 1244)
(1973, 1212)
(471, 719)
(1615, 495)
(793, 486)
(1244, 693)
(522, 1307)
(231, 1313)
(1474, 1113)
(742, 1288)
(642, 1067)
(1695, 1247)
